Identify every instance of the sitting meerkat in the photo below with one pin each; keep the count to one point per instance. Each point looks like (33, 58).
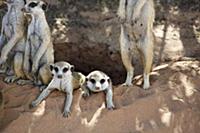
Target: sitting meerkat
(39, 50)
(98, 81)
(12, 40)
(64, 79)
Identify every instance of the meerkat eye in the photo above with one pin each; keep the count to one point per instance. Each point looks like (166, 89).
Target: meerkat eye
(65, 70)
(102, 81)
(33, 4)
(93, 81)
(56, 69)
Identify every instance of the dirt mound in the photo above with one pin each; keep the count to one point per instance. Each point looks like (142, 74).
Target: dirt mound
(171, 105)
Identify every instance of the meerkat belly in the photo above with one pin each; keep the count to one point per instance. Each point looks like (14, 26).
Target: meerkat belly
(136, 30)
(20, 46)
(63, 85)
(35, 43)
(9, 31)
(48, 56)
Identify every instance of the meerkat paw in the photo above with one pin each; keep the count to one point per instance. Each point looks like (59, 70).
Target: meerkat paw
(33, 104)
(86, 94)
(10, 79)
(66, 113)
(42, 87)
(110, 107)
(127, 84)
(146, 86)
(24, 82)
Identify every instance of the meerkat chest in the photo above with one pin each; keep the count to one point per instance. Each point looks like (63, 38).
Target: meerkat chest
(8, 25)
(34, 35)
(65, 85)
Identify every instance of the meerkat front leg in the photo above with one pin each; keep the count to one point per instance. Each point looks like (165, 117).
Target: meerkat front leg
(40, 52)
(68, 102)
(126, 56)
(52, 86)
(109, 97)
(137, 9)
(122, 10)
(129, 10)
(2, 37)
(2, 40)
(3, 67)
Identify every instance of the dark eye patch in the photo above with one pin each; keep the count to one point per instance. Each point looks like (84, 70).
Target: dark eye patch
(65, 69)
(56, 69)
(51, 67)
(93, 81)
(44, 7)
(102, 81)
(33, 4)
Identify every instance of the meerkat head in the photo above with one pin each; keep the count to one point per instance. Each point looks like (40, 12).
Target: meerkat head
(61, 69)
(35, 7)
(97, 81)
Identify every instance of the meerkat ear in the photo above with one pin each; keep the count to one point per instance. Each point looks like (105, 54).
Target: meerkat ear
(51, 66)
(72, 68)
(44, 6)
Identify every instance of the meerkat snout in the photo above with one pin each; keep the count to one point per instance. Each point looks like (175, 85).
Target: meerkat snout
(23, 9)
(60, 76)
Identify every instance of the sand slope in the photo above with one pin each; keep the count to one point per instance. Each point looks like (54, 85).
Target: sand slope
(172, 105)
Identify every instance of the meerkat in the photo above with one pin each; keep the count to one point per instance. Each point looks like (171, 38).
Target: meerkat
(64, 79)
(137, 18)
(39, 50)
(98, 81)
(12, 39)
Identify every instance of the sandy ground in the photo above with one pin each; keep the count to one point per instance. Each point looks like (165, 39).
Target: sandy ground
(172, 105)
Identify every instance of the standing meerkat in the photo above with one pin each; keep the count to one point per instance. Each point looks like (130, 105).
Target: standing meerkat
(98, 81)
(12, 39)
(137, 18)
(64, 79)
(39, 50)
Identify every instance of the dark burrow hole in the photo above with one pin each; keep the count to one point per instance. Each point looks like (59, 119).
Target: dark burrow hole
(88, 59)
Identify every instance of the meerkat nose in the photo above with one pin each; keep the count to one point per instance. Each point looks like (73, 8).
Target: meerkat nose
(59, 76)
(23, 9)
(97, 88)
